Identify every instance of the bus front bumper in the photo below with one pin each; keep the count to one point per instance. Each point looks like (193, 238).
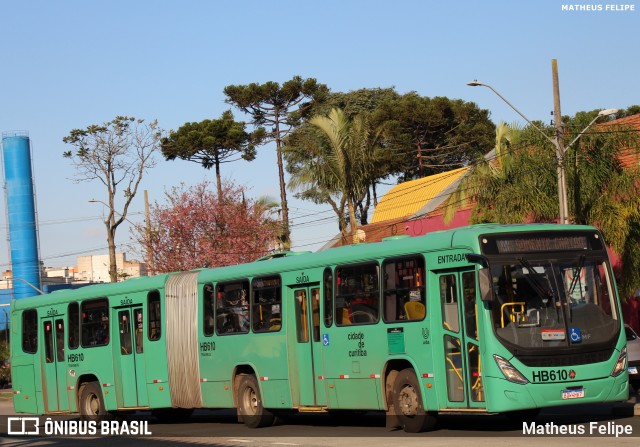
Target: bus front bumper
(508, 396)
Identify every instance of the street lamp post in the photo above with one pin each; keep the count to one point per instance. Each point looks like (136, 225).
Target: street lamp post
(557, 143)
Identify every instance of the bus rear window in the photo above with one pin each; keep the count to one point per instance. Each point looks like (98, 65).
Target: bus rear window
(95, 323)
(30, 331)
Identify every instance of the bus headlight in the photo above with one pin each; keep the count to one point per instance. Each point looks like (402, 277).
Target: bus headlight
(621, 364)
(509, 371)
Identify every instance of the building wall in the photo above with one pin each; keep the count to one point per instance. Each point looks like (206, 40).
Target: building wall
(95, 268)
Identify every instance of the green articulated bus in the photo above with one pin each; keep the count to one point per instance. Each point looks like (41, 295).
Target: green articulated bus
(476, 320)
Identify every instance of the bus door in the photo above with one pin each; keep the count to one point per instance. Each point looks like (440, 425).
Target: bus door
(307, 368)
(54, 367)
(461, 349)
(131, 386)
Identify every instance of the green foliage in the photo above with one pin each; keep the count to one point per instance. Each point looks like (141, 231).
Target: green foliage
(447, 133)
(212, 142)
(432, 135)
(355, 102)
(5, 366)
(341, 164)
(520, 185)
(278, 109)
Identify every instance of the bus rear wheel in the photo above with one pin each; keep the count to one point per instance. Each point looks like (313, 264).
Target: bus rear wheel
(90, 401)
(407, 401)
(250, 406)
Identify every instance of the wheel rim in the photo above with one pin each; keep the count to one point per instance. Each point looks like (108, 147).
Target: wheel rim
(408, 399)
(92, 405)
(250, 401)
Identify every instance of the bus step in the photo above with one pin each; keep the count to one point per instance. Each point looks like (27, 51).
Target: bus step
(312, 409)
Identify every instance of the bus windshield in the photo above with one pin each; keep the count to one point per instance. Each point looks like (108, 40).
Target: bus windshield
(543, 303)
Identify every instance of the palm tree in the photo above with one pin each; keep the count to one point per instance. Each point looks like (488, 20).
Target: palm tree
(517, 183)
(343, 165)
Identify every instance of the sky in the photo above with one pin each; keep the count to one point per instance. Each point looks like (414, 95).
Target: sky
(69, 64)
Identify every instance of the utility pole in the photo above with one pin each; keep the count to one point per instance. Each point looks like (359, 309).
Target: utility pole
(147, 215)
(559, 142)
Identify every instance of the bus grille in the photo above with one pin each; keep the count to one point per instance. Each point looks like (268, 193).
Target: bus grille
(566, 360)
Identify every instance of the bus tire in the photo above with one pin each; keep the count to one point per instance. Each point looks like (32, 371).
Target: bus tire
(90, 402)
(407, 402)
(250, 407)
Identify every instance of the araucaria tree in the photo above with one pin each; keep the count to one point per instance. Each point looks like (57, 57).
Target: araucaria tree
(117, 154)
(278, 108)
(211, 143)
(187, 231)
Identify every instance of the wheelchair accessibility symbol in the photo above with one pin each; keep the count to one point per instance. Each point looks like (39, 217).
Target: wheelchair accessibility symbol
(325, 339)
(575, 335)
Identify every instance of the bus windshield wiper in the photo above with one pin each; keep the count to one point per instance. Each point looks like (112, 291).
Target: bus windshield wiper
(576, 276)
(535, 280)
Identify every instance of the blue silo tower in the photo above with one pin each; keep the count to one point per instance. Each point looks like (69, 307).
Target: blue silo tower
(21, 213)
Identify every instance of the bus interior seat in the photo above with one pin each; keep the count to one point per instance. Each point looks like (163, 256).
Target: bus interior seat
(414, 310)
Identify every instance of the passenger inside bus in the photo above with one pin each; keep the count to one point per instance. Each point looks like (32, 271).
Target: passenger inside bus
(102, 334)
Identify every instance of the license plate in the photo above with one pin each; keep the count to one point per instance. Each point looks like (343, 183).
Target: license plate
(573, 394)
(633, 370)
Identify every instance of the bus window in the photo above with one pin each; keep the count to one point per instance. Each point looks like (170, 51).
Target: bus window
(74, 325)
(470, 313)
(266, 304)
(315, 312)
(207, 304)
(48, 342)
(60, 340)
(125, 332)
(232, 308)
(328, 298)
(154, 316)
(95, 323)
(30, 331)
(139, 328)
(358, 294)
(404, 289)
(449, 301)
(302, 328)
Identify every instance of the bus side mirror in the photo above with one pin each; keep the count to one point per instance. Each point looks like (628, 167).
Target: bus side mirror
(486, 285)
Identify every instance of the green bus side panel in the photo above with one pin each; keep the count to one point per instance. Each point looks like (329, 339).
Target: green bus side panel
(71, 398)
(23, 380)
(159, 395)
(276, 393)
(358, 393)
(217, 394)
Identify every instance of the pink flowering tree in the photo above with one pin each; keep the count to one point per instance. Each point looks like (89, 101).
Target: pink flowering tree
(194, 229)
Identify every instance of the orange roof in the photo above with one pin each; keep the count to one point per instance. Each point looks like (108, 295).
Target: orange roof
(629, 156)
(407, 198)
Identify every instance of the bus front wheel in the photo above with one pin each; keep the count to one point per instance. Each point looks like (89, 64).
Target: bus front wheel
(90, 401)
(250, 406)
(407, 401)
